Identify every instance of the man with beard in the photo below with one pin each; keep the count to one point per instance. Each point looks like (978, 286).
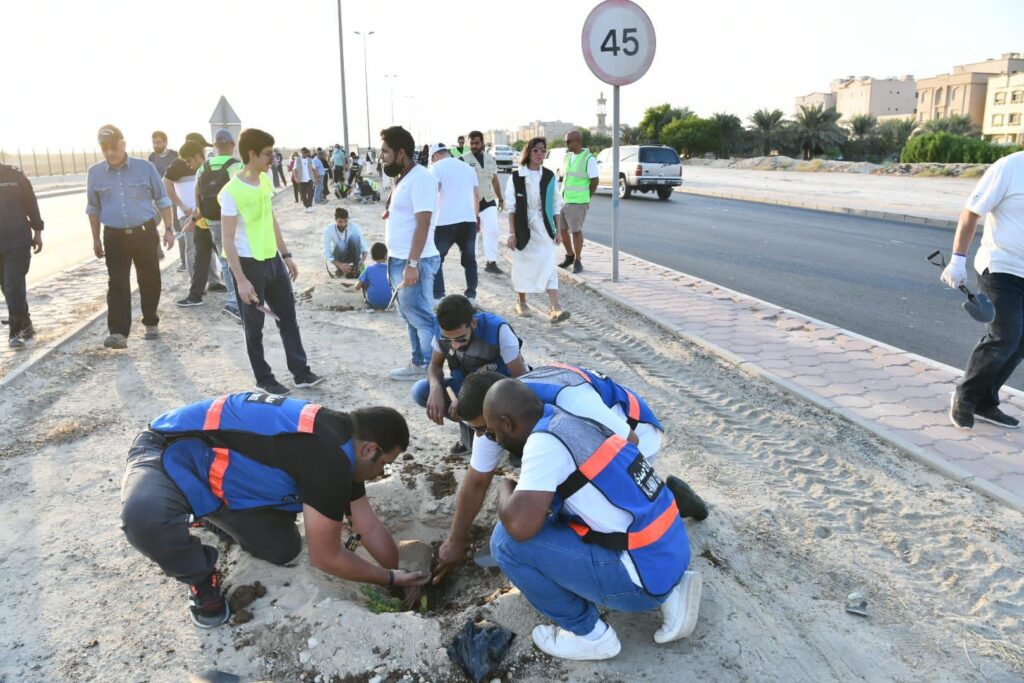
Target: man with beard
(490, 192)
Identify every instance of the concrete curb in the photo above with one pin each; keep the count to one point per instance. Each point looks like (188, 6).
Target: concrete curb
(813, 206)
(929, 459)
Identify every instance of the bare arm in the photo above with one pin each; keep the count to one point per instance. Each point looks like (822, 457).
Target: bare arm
(467, 506)
(375, 537)
(435, 376)
(497, 190)
(522, 512)
(965, 230)
(517, 368)
(323, 536)
(97, 243)
(293, 270)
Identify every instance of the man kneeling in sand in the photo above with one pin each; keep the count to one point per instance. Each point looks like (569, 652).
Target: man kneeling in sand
(589, 523)
(246, 463)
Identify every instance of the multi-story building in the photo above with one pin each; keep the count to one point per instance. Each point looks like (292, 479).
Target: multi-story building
(876, 96)
(496, 137)
(964, 91)
(551, 130)
(825, 100)
(1004, 109)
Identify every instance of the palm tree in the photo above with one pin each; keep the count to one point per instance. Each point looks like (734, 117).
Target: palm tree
(817, 129)
(895, 133)
(766, 126)
(732, 129)
(955, 124)
(862, 125)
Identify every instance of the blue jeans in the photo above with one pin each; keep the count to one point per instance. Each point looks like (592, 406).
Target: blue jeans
(565, 579)
(318, 192)
(416, 305)
(225, 269)
(463, 235)
(1000, 351)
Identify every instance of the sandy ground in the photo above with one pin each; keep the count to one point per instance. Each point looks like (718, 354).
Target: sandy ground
(806, 509)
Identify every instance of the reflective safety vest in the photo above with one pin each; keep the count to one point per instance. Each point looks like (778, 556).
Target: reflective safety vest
(482, 352)
(547, 382)
(575, 181)
(656, 537)
(212, 475)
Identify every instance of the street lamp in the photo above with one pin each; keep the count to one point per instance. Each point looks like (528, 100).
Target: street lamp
(391, 79)
(344, 100)
(366, 80)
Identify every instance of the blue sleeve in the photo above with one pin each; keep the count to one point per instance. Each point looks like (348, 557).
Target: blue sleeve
(160, 197)
(364, 277)
(92, 197)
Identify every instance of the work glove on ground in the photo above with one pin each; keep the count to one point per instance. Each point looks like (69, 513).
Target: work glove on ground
(955, 274)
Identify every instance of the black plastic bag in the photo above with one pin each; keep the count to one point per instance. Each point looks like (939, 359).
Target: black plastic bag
(479, 648)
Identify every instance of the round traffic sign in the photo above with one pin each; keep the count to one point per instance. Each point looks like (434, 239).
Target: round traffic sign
(618, 42)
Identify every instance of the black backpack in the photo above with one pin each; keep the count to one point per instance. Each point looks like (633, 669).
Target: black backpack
(209, 185)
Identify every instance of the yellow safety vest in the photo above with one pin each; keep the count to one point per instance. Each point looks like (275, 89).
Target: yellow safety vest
(576, 182)
(257, 211)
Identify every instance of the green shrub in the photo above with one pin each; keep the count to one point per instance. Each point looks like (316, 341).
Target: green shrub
(946, 148)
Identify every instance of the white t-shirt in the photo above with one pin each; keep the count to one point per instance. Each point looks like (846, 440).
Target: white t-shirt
(1000, 193)
(592, 171)
(228, 207)
(546, 464)
(186, 189)
(456, 181)
(302, 172)
(415, 193)
(508, 344)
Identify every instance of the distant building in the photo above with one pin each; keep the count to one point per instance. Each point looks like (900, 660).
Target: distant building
(550, 130)
(496, 137)
(964, 91)
(825, 100)
(225, 117)
(1004, 109)
(875, 96)
(602, 127)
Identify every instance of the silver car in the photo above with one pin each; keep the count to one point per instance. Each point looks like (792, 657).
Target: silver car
(642, 168)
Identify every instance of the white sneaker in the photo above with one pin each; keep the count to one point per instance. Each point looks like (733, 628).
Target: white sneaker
(558, 642)
(679, 612)
(409, 373)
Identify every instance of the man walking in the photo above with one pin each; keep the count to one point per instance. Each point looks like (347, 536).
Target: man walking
(21, 235)
(211, 177)
(458, 151)
(413, 260)
(458, 216)
(1000, 267)
(261, 264)
(125, 195)
(578, 185)
(161, 157)
(278, 169)
(303, 173)
(490, 192)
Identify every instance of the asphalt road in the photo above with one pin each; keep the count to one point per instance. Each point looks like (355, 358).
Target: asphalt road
(868, 276)
(67, 240)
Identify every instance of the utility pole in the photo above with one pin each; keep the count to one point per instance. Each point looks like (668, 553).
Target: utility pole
(344, 100)
(391, 80)
(366, 80)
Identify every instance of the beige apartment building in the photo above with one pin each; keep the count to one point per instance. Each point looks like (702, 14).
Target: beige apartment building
(880, 97)
(552, 130)
(1004, 109)
(825, 100)
(964, 91)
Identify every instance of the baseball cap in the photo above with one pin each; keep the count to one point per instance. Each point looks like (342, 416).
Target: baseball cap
(438, 147)
(109, 133)
(197, 137)
(223, 135)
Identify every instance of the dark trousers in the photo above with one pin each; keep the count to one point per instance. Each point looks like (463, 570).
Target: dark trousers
(1000, 351)
(350, 252)
(14, 265)
(463, 235)
(156, 516)
(327, 190)
(203, 241)
(306, 190)
(339, 175)
(295, 190)
(274, 288)
(279, 176)
(123, 248)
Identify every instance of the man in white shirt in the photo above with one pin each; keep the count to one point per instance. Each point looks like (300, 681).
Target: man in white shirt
(413, 260)
(458, 216)
(304, 176)
(1000, 267)
(491, 198)
(588, 523)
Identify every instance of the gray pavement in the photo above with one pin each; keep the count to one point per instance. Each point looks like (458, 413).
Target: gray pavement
(862, 274)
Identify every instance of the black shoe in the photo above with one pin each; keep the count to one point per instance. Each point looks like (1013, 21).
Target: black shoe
(458, 449)
(688, 502)
(310, 379)
(993, 415)
(960, 415)
(206, 603)
(569, 258)
(27, 331)
(577, 266)
(189, 301)
(493, 268)
(217, 287)
(274, 387)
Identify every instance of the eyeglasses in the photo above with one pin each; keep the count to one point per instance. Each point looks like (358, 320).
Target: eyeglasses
(539, 149)
(460, 339)
(481, 431)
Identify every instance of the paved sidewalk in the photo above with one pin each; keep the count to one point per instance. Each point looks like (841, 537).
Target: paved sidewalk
(901, 397)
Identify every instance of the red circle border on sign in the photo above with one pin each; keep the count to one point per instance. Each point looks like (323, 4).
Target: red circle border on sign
(588, 27)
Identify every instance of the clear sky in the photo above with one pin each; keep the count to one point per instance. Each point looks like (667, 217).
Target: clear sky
(460, 64)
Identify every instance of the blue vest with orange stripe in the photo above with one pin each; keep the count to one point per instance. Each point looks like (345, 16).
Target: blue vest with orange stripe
(212, 475)
(656, 538)
(548, 381)
(482, 352)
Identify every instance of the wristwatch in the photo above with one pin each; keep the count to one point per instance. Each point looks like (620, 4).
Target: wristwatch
(286, 254)
(412, 263)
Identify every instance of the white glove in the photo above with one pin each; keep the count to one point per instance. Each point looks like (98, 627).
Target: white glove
(955, 274)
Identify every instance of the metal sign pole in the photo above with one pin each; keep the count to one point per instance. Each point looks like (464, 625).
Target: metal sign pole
(615, 184)
(344, 99)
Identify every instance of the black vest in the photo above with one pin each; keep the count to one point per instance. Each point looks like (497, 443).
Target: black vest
(521, 220)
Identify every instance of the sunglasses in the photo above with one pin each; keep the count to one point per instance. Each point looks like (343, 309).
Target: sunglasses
(539, 149)
(460, 339)
(482, 431)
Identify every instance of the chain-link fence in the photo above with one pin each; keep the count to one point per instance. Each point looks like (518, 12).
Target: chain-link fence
(46, 163)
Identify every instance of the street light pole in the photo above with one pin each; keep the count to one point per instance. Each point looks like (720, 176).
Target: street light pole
(366, 80)
(391, 79)
(344, 99)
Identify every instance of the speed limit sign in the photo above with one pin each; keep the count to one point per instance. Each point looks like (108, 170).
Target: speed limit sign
(618, 42)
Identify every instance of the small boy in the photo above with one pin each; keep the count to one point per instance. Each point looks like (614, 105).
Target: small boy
(374, 280)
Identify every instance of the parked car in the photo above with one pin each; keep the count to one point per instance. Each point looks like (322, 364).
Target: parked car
(555, 161)
(505, 156)
(642, 168)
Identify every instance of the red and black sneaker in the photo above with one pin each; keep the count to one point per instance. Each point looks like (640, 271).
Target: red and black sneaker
(206, 603)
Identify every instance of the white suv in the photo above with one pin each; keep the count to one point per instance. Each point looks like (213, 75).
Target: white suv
(642, 168)
(505, 157)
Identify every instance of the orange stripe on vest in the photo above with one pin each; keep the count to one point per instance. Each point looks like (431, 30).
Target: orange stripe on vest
(307, 417)
(212, 420)
(600, 458)
(571, 368)
(655, 530)
(634, 406)
(221, 460)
